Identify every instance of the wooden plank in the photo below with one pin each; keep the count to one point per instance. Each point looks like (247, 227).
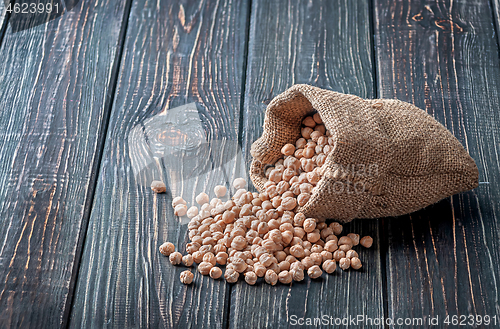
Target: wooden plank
(443, 57)
(175, 53)
(54, 85)
(496, 15)
(326, 44)
(3, 14)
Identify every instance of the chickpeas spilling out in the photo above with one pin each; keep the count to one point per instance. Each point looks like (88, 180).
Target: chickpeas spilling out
(264, 235)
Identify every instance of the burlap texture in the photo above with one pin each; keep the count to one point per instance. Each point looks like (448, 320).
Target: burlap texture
(410, 160)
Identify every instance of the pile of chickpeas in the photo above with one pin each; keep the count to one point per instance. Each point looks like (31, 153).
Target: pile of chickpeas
(262, 235)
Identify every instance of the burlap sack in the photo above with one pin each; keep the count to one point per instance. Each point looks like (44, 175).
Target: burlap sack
(389, 157)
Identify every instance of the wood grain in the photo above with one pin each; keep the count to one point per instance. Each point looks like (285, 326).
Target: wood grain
(3, 14)
(175, 53)
(54, 82)
(326, 44)
(443, 57)
(496, 16)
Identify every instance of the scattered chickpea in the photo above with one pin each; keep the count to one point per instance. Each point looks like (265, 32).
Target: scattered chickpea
(231, 275)
(158, 186)
(329, 266)
(366, 241)
(220, 191)
(178, 201)
(192, 212)
(202, 198)
(356, 263)
(175, 258)
(351, 254)
(338, 255)
(180, 210)
(204, 268)
(215, 272)
(354, 237)
(167, 248)
(345, 247)
(345, 240)
(250, 278)
(239, 183)
(285, 277)
(271, 277)
(263, 234)
(344, 263)
(187, 260)
(187, 277)
(297, 274)
(314, 272)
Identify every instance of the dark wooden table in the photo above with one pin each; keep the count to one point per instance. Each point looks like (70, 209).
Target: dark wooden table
(79, 233)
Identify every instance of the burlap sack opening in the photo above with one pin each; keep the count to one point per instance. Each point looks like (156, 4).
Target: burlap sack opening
(389, 157)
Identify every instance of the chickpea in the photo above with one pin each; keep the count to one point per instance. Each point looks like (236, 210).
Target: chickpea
(309, 225)
(306, 132)
(309, 122)
(345, 247)
(215, 272)
(329, 266)
(314, 236)
(289, 203)
(288, 149)
(239, 243)
(337, 228)
(187, 260)
(202, 198)
(187, 277)
(198, 256)
(297, 275)
(297, 251)
(250, 278)
(204, 268)
(315, 135)
(366, 241)
(192, 212)
(307, 262)
(221, 258)
(175, 258)
(326, 255)
(271, 277)
(285, 277)
(220, 191)
(356, 263)
(338, 255)
(317, 118)
(331, 246)
(303, 198)
(314, 272)
(231, 275)
(346, 240)
(167, 248)
(344, 263)
(209, 258)
(158, 186)
(180, 210)
(351, 254)
(239, 183)
(321, 129)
